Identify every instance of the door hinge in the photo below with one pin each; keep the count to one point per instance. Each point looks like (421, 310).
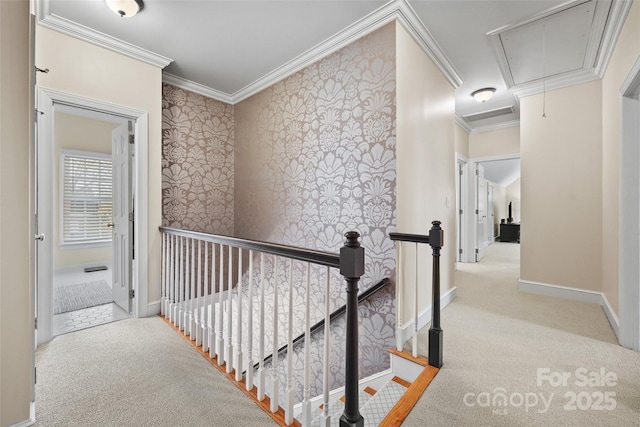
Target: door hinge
(477, 251)
(132, 139)
(460, 251)
(131, 216)
(477, 212)
(35, 375)
(37, 113)
(132, 293)
(36, 323)
(461, 212)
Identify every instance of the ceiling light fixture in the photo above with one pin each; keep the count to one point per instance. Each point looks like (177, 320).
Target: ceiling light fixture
(484, 94)
(125, 8)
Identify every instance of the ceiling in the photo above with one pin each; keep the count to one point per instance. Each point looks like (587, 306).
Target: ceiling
(502, 172)
(231, 49)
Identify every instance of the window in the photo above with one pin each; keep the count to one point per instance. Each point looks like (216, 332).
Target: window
(86, 203)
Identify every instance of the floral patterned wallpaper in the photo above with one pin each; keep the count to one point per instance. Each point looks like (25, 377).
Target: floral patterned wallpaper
(300, 163)
(197, 162)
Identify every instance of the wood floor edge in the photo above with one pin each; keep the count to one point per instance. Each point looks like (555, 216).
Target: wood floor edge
(422, 361)
(278, 417)
(401, 410)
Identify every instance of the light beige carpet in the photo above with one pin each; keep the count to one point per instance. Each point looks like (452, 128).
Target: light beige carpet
(496, 338)
(136, 372)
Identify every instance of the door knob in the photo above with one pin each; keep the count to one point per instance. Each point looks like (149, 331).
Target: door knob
(39, 237)
(110, 225)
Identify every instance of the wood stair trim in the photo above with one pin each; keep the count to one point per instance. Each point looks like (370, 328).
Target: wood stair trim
(422, 361)
(278, 416)
(402, 382)
(369, 390)
(401, 410)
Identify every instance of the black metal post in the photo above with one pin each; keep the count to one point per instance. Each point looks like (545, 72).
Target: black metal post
(436, 241)
(352, 268)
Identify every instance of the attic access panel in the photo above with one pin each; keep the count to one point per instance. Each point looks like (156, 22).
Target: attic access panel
(560, 41)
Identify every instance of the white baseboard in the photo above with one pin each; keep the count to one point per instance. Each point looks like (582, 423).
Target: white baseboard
(424, 317)
(32, 417)
(575, 294)
(153, 308)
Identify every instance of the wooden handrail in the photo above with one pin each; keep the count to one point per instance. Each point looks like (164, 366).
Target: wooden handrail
(307, 255)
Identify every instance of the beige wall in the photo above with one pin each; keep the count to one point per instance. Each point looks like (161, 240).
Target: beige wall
(16, 316)
(425, 160)
(513, 195)
(84, 134)
(626, 53)
(561, 186)
(462, 141)
(497, 142)
(84, 69)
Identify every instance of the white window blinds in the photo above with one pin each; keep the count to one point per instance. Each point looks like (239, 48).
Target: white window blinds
(86, 197)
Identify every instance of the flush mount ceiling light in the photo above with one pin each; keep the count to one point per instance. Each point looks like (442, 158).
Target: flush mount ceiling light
(484, 94)
(125, 8)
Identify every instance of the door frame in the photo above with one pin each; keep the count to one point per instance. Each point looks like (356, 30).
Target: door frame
(629, 212)
(462, 172)
(46, 98)
(472, 183)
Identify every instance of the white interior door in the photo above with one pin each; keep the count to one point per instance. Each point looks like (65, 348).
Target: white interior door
(122, 226)
(481, 212)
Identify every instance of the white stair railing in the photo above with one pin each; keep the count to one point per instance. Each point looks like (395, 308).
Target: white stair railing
(220, 318)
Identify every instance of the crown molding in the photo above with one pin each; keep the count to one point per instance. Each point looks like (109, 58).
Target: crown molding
(618, 15)
(196, 87)
(413, 24)
(398, 10)
(496, 126)
(63, 25)
(556, 82)
(462, 123)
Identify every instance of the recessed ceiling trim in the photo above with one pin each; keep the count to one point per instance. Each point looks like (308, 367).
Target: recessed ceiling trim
(196, 87)
(601, 12)
(49, 20)
(489, 114)
(495, 126)
(556, 82)
(537, 16)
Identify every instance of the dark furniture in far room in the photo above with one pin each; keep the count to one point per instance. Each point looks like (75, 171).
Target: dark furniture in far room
(510, 232)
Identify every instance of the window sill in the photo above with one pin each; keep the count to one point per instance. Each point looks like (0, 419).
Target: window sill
(84, 245)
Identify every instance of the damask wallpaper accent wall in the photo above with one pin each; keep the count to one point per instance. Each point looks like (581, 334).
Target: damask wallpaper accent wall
(300, 163)
(315, 155)
(197, 162)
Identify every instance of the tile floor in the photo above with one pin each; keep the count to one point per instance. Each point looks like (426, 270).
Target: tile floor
(87, 318)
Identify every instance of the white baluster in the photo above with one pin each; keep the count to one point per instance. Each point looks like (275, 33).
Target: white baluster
(399, 295)
(207, 343)
(306, 403)
(172, 306)
(288, 413)
(275, 377)
(238, 340)
(163, 281)
(188, 317)
(199, 318)
(181, 284)
(261, 372)
(228, 339)
(325, 418)
(249, 375)
(414, 350)
(219, 326)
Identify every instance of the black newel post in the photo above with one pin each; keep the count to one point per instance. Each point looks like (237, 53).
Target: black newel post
(352, 268)
(436, 241)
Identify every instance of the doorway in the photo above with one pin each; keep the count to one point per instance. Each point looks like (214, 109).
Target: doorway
(109, 257)
(84, 237)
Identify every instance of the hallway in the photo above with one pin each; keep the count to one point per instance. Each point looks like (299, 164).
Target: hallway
(499, 341)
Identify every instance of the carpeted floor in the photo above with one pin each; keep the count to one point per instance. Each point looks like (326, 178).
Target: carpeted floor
(135, 372)
(84, 295)
(499, 341)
